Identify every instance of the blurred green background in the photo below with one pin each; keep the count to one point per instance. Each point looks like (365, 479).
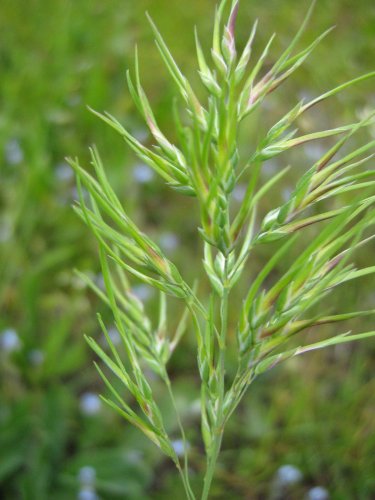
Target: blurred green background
(315, 414)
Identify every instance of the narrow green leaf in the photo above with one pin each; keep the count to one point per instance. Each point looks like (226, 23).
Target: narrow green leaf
(338, 89)
(272, 361)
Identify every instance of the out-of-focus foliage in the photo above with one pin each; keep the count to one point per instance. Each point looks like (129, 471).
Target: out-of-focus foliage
(55, 58)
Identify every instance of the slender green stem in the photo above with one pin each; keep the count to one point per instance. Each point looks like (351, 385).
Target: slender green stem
(189, 493)
(211, 464)
(213, 452)
(184, 472)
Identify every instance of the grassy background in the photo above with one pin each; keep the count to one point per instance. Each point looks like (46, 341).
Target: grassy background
(57, 57)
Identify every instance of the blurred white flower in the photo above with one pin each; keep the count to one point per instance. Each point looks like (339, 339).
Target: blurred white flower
(63, 172)
(114, 335)
(5, 230)
(141, 134)
(314, 151)
(317, 493)
(239, 192)
(99, 281)
(196, 408)
(288, 475)
(142, 173)
(9, 340)
(286, 193)
(75, 195)
(142, 292)
(270, 168)
(13, 152)
(168, 241)
(87, 493)
(90, 403)
(87, 475)
(179, 447)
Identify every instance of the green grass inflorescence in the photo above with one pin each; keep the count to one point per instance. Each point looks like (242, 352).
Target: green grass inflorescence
(334, 194)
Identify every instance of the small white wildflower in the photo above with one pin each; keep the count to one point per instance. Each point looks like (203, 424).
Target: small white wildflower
(13, 152)
(142, 173)
(87, 493)
(195, 408)
(314, 151)
(179, 447)
(63, 172)
(270, 168)
(90, 403)
(5, 230)
(317, 493)
(114, 335)
(142, 292)
(286, 193)
(169, 242)
(9, 340)
(99, 281)
(288, 475)
(141, 134)
(87, 475)
(75, 195)
(239, 192)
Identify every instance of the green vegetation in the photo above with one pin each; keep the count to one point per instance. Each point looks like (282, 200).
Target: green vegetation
(314, 411)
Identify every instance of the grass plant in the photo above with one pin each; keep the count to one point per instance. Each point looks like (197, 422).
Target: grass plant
(335, 196)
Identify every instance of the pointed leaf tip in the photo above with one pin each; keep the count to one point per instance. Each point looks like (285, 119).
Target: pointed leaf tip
(233, 18)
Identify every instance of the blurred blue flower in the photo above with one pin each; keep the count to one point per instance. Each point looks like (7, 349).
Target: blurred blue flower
(288, 475)
(239, 192)
(142, 292)
(314, 151)
(317, 493)
(63, 172)
(142, 173)
(5, 230)
(141, 134)
(114, 335)
(99, 281)
(286, 193)
(87, 475)
(90, 403)
(87, 493)
(179, 447)
(13, 152)
(9, 340)
(168, 241)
